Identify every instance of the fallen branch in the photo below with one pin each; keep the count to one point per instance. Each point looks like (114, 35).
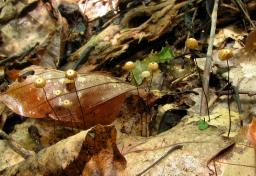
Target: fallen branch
(115, 39)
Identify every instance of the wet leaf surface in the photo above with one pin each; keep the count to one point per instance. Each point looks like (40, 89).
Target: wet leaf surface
(99, 102)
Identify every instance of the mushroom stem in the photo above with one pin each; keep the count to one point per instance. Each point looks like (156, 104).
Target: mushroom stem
(229, 127)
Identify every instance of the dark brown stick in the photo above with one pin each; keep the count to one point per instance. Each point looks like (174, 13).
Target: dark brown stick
(173, 148)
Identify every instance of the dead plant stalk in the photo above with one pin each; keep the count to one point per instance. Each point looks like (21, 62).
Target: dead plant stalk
(208, 63)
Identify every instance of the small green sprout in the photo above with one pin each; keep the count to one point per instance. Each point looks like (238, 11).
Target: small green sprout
(202, 124)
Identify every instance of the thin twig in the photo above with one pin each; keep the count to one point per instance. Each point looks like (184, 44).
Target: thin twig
(186, 76)
(15, 146)
(173, 148)
(235, 164)
(208, 63)
(225, 92)
(206, 97)
(245, 12)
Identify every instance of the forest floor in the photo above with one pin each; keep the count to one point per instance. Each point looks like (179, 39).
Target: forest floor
(126, 87)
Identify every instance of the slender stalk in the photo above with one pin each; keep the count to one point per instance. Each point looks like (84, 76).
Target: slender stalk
(78, 99)
(55, 114)
(141, 117)
(150, 83)
(229, 115)
(208, 63)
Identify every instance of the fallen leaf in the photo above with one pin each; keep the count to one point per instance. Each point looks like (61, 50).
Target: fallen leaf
(220, 119)
(251, 134)
(100, 97)
(22, 33)
(94, 9)
(240, 160)
(86, 153)
(35, 36)
(230, 32)
(198, 147)
(8, 156)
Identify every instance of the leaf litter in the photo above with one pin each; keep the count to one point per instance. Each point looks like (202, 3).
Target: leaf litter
(60, 122)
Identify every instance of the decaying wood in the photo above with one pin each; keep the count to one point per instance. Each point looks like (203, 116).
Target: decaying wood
(116, 38)
(91, 152)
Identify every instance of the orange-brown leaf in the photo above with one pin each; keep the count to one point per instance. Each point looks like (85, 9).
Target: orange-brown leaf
(100, 97)
(251, 134)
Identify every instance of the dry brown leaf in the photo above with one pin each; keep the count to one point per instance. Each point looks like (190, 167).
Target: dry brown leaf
(94, 9)
(100, 97)
(248, 53)
(198, 148)
(89, 152)
(21, 33)
(251, 134)
(37, 31)
(240, 160)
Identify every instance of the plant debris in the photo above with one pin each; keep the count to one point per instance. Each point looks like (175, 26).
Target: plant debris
(126, 87)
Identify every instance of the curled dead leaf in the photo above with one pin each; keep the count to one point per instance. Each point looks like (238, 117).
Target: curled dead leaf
(247, 54)
(87, 153)
(251, 134)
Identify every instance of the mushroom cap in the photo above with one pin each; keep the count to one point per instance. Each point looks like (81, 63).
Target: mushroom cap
(40, 82)
(191, 43)
(145, 74)
(129, 65)
(71, 74)
(153, 66)
(225, 54)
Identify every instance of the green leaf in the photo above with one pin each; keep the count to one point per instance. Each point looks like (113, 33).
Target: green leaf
(202, 124)
(165, 55)
(136, 72)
